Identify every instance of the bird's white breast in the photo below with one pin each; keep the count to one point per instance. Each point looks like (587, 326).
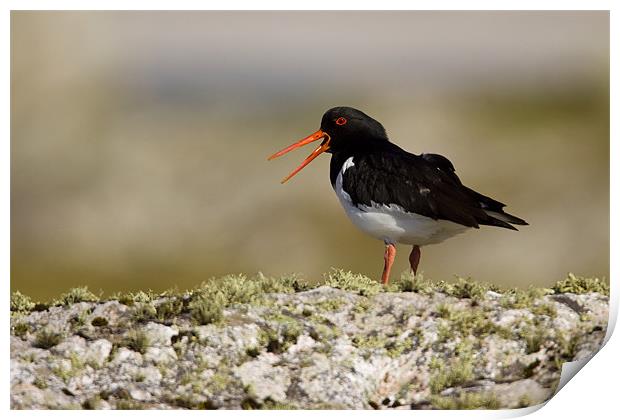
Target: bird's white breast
(391, 223)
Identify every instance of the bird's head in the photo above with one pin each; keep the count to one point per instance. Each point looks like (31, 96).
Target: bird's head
(342, 129)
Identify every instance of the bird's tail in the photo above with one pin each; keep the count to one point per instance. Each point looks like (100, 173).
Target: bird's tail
(496, 215)
(502, 219)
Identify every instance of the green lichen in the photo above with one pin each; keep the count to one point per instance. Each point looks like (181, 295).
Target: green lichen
(394, 346)
(368, 341)
(278, 316)
(99, 322)
(567, 346)
(545, 309)
(125, 299)
(136, 340)
(530, 369)
(283, 332)
(205, 311)
(323, 331)
(466, 401)
(362, 305)
(290, 332)
(444, 332)
(76, 295)
(283, 319)
(269, 339)
(580, 285)
(239, 288)
(76, 368)
(477, 323)
(144, 297)
(444, 310)
(292, 282)
(141, 297)
(143, 312)
(21, 329)
(525, 401)
(534, 337)
(46, 339)
(466, 289)
(129, 405)
(252, 351)
(211, 297)
(79, 320)
(28, 357)
(346, 280)
(219, 381)
(409, 312)
(169, 309)
(40, 382)
(521, 299)
(62, 373)
(92, 403)
(269, 404)
(250, 403)
(186, 378)
(453, 372)
(462, 288)
(21, 303)
(470, 322)
(397, 347)
(330, 305)
(410, 283)
(192, 402)
(77, 364)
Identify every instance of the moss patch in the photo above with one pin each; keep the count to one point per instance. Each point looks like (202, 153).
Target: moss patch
(466, 401)
(239, 288)
(457, 371)
(330, 305)
(46, 339)
(522, 299)
(205, 311)
(579, 285)
(136, 340)
(346, 280)
(21, 329)
(21, 303)
(546, 309)
(169, 309)
(75, 295)
(99, 322)
(143, 312)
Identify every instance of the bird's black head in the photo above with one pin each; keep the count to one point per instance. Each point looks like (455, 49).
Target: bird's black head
(342, 129)
(350, 129)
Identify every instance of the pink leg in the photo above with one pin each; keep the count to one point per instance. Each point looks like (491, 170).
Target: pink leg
(414, 258)
(390, 254)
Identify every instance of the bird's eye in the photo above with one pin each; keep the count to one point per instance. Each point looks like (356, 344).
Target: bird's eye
(341, 121)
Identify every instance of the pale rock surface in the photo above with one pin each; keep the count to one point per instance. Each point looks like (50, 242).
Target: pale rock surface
(322, 348)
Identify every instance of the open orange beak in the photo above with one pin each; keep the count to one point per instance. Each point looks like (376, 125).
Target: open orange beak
(312, 137)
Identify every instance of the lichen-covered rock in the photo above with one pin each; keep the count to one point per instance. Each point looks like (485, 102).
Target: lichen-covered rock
(348, 344)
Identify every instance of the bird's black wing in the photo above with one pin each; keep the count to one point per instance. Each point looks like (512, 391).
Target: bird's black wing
(426, 184)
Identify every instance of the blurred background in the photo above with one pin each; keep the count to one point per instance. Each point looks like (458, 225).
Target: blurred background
(139, 141)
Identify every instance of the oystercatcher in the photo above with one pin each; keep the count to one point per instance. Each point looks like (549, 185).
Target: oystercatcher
(394, 195)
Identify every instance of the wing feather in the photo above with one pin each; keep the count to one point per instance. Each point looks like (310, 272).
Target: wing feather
(426, 184)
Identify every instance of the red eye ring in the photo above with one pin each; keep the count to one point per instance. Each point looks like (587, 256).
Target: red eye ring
(341, 121)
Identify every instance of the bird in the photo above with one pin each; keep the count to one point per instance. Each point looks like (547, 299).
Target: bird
(394, 195)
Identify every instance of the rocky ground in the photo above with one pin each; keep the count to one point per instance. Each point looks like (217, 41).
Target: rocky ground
(237, 342)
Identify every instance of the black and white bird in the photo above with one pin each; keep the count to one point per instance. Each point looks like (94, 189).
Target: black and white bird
(394, 195)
